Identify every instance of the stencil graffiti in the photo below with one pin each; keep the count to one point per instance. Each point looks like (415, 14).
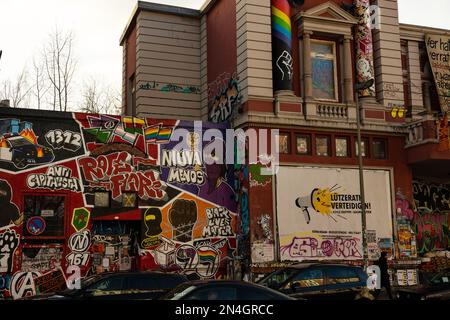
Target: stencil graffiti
(219, 223)
(224, 105)
(9, 241)
(9, 211)
(309, 247)
(264, 222)
(182, 217)
(56, 178)
(116, 173)
(67, 140)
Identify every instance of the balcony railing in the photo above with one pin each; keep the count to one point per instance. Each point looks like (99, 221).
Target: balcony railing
(332, 110)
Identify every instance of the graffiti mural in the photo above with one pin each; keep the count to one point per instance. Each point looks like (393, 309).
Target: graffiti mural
(113, 193)
(431, 220)
(224, 106)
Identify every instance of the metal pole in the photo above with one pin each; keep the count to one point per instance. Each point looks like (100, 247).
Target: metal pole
(361, 183)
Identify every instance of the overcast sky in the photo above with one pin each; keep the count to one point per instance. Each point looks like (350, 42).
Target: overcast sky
(98, 24)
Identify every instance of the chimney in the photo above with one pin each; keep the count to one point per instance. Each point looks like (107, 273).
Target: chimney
(5, 103)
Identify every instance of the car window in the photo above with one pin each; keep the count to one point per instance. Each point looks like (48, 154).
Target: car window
(339, 275)
(441, 278)
(110, 284)
(247, 293)
(142, 283)
(168, 282)
(307, 278)
(277, 278)
(213, 293)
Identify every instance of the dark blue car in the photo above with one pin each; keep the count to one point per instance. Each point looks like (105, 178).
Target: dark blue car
(320, 281)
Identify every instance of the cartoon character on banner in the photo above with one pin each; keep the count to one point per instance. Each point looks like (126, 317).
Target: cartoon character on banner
(152, 218)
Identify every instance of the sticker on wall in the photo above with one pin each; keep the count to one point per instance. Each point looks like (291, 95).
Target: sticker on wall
(80, 218)
(36, 225)
(9, 241)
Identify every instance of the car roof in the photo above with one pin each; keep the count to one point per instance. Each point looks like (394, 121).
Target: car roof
(140, 273)
(218, 281)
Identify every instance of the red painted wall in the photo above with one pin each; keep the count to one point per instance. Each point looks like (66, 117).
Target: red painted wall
(222, 54)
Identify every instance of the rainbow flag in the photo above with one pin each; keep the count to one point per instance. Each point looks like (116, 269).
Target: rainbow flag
(164, 135)
(208, 256)
(151, 134)
(281, 21)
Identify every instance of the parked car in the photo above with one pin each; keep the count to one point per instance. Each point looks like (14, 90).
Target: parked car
(320, 281)
(432, 286)
(121, 286)
(223, 290)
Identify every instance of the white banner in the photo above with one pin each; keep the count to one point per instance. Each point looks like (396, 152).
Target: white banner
(319, 212)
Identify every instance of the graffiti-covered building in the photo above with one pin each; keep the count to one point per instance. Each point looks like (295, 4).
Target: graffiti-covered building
(293, 66)
(97, 193)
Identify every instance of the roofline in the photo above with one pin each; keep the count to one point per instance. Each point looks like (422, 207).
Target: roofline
(163, 8)
(423, 29)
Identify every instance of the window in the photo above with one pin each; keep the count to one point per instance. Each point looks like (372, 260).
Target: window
(379, 149)
(303, 144)
(308, 278)
(101, 199)
(247, 293)
(284, 142)
(342, 275)
(364, 144)
(142, 283)
(324, 74)
(110, 284)
(322, 146)
(342, 147)
(44, 216)
(214, 293)
(277, 278)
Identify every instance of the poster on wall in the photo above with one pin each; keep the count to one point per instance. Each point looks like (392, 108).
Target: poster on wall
(438, 48)
(320, 219)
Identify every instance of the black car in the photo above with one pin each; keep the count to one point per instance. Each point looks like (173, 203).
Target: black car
(320, 281)
(121, 286)
(223, 290)
(432, 286)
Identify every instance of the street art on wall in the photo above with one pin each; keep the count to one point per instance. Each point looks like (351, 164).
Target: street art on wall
(182, 210)
(431, 215)
(224, 106)
(364, 46)
(321, 218)
(9, 241)
(10, 212)
(281, 45)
